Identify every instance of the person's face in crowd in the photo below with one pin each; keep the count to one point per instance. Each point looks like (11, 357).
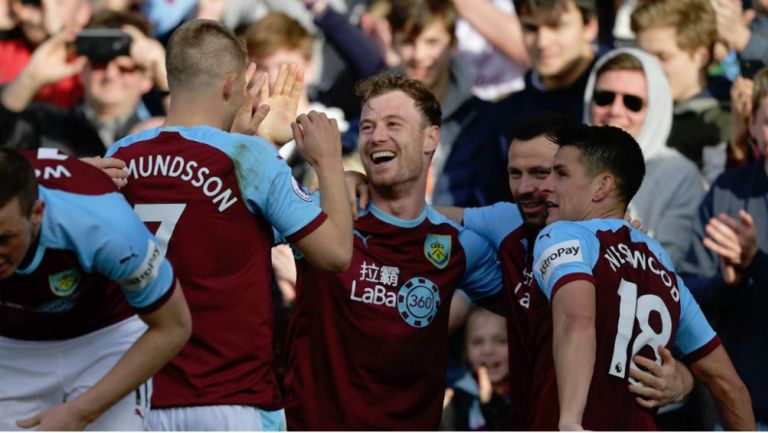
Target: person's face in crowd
(36, 22)
(620, 99)
(529, 164)
(758, 126)
(556, 44)
(395, 140)
(17, 232)
(116, 85)
(487, 345)
(683, 69)
(429, 55)
(569, 189)
(284, 56)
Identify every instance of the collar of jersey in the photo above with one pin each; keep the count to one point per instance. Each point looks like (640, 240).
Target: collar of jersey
(380, 214)
(39, 253)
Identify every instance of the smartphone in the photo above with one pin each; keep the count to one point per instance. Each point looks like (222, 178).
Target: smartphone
(102, 45)
(749, 68)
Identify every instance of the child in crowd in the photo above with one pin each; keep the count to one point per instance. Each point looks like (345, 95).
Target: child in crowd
(478, 401)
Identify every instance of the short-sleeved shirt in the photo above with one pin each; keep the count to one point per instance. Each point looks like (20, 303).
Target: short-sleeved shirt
(212, 198)
(640, 304)
(503, 225)
(367, 346)
(91, 256)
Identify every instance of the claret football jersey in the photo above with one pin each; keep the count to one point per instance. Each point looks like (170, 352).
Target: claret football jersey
(92, 255)
(212, 198)
(367, 347)
(503, 225)
(640, 304)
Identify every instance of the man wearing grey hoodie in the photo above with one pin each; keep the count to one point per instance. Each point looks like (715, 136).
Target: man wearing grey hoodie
(627, 88)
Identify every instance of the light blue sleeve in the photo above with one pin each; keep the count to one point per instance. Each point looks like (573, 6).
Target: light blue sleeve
(694, 331)
(483, 274)
(109, 239)
(493, 222)
(563, 248)
(268, 186)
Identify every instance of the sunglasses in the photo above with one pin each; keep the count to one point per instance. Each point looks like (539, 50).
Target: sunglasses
(604, 98)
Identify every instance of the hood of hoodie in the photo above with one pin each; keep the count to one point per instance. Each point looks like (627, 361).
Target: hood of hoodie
(658, 115)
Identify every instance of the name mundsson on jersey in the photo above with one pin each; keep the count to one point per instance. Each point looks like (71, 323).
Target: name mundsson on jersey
(188, 171)
(621, 254)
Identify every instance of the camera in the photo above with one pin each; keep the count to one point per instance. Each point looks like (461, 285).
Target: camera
(102, 45)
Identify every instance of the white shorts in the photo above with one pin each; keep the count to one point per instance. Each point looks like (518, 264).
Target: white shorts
(37, 375)
(216, 418)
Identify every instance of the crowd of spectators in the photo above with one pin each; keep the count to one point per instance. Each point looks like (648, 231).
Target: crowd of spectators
(683, 77)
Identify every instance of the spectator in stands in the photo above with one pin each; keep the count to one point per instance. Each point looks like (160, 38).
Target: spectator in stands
(36, 21)
(681, 33)
(468, 167)
(113, 91)
(479, 401)
(559, 36)
(490, 41)
(628, 89)
(727, 265)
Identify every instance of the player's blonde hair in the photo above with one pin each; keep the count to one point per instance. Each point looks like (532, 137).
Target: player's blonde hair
(201, 52)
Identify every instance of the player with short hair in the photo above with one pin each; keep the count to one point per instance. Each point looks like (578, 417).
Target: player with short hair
(73, 353)
(367, 347)
(614, 294)
(213, 198)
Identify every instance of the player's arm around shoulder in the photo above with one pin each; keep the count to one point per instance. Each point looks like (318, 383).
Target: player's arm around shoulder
(483, 281)
(329, 246)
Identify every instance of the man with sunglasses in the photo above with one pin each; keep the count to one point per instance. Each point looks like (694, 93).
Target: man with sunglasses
(113, 91)
(628, 89)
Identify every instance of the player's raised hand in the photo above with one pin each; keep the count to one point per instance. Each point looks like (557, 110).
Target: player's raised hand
(57, 418)
(660, 385)
(283, 100)
(318, 139)
(113, 167)
(247, 120)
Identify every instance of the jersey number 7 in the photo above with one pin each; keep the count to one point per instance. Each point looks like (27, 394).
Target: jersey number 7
(167, 214)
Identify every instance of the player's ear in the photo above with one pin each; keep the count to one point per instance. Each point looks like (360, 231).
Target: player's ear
(602, 186)
(37, 213)
(431, 139)
(228, 88)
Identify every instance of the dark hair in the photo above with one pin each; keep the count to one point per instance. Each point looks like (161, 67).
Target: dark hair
(606, 148)
(17, 181)
(200, 51)
(543, 123)
(110, 19)
(550, 10)
(621, 62)
(385, 82)
(409, 18)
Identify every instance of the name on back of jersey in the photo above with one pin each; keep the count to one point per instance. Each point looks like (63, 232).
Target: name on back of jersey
(189, 171)
(622, 255)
